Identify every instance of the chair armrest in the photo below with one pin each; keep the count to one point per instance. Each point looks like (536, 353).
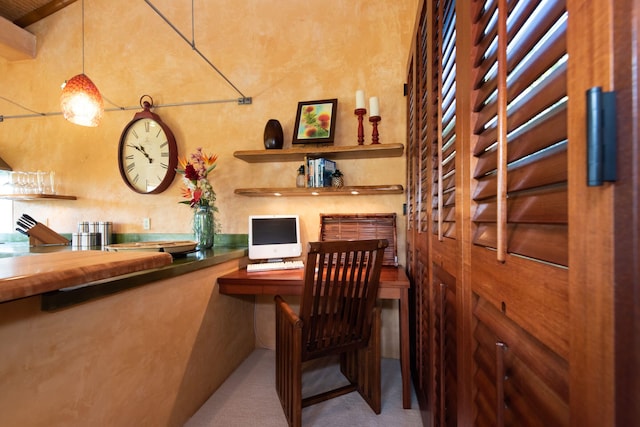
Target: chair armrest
(286, 312)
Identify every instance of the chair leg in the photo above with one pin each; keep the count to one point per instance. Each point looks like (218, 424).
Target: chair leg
(362, 367)
(288, 367)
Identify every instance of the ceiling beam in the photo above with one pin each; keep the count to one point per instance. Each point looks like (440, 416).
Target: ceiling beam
(42, 12)
(16, 43)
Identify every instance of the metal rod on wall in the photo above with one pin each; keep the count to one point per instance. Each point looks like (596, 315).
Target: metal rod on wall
(117, 108)
(245, 99)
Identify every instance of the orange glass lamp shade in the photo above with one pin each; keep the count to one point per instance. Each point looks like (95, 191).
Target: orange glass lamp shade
(81, 101)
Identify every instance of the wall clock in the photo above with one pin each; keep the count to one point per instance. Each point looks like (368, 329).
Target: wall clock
(147, 153)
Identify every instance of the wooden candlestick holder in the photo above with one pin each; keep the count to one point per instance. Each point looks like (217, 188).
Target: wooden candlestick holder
(374, 136)
(360, 112)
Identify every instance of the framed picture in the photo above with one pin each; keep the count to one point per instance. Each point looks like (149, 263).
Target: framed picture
(315, 122)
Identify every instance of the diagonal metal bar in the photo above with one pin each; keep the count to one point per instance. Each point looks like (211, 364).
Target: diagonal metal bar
(245, 99)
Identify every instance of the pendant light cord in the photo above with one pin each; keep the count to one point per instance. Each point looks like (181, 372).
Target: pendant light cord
(82, 36)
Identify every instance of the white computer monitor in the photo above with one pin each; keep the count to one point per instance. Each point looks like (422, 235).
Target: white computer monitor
(274, 237)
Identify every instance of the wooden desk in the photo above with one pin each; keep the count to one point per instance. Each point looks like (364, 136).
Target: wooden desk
(394, 284)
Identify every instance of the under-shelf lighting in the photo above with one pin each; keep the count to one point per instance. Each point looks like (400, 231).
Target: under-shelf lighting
(354, 192)
(80, 100)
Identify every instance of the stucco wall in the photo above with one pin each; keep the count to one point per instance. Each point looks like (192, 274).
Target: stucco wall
(147, 356)
(278, 53)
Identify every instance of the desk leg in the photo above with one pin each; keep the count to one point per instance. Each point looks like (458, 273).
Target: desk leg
(404, 348)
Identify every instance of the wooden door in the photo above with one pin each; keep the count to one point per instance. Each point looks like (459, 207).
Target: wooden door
(504, 236)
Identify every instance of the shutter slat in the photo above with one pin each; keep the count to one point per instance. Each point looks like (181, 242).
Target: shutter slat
(547, 206)
(539, 241)
(548, 131)
(549, 92)
(547, 169)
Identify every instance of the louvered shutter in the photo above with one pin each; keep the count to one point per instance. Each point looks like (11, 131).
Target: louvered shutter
(521, 169)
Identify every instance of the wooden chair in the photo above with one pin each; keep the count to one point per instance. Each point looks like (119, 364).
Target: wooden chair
(338, 315)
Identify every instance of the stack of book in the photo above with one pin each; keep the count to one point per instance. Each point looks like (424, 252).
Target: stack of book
(319, 172)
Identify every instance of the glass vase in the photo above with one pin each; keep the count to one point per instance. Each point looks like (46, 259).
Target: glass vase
(203, 227)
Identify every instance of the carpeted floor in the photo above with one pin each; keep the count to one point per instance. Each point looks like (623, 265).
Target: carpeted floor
(248, 398)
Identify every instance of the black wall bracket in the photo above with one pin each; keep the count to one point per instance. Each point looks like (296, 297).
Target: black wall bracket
(601, 137)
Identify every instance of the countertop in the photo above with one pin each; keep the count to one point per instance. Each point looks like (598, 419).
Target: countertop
(64, 275)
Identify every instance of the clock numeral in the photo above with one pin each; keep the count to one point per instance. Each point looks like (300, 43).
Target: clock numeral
(146, 127)
(159, 132)
(135, 180)
(164, 165)
(134, 133)
(164, 154)
(164, 144)
(129, 157)
(131, 166)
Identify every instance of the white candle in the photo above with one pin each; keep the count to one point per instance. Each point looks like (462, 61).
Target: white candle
(374, 106)
(359, 99)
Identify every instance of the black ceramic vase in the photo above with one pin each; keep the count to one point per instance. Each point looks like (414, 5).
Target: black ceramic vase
(273, 137)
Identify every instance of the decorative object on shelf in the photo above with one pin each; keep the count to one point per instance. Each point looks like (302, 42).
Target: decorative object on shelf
(147, 153)
(80, 99)
(375, 138)
(200, 194)
(337, 179)
(315, 122)
(374, 118)
(360, 111)
(301, 178)
(273, 136)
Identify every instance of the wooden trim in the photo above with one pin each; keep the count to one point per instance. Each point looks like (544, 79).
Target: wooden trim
(591, 232)
(627, 214)
(334, 152)
(354, 190)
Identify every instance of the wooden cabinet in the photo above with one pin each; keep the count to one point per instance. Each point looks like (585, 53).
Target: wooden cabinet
(332, 152)
(487, 227)
(523, 277)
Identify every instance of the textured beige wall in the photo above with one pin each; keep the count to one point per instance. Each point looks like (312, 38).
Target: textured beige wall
(148, 356)
(278, 53)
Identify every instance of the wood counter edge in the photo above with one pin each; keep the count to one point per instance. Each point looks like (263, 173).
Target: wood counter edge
(80, 270)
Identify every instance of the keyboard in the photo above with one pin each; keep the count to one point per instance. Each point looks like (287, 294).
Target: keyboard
(271, 266)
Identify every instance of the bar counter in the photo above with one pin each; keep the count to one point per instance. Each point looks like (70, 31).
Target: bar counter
(65, 276)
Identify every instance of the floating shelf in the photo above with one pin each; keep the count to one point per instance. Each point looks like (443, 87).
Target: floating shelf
(356, 190)
(370, 151)
(27, 197)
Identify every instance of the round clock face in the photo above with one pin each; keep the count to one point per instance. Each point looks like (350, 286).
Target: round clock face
(148, 156)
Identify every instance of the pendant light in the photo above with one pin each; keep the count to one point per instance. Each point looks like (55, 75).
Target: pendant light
(80, 100)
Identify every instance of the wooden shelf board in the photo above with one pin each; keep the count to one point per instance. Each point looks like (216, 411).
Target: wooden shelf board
(361, 190)
(334, 152)
(26, 197)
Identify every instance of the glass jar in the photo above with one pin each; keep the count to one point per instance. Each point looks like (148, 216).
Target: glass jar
(203, 227)
(300, 179)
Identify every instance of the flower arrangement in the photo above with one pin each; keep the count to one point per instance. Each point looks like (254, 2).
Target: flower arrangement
(197, 188)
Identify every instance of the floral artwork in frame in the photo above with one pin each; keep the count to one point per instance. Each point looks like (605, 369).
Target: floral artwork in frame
(315, 122)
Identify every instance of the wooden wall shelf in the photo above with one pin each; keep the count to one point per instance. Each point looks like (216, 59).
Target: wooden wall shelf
(356, 190)
(333, 152)
(27, 197)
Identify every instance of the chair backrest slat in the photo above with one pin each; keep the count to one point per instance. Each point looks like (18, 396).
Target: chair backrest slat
(340, 289)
